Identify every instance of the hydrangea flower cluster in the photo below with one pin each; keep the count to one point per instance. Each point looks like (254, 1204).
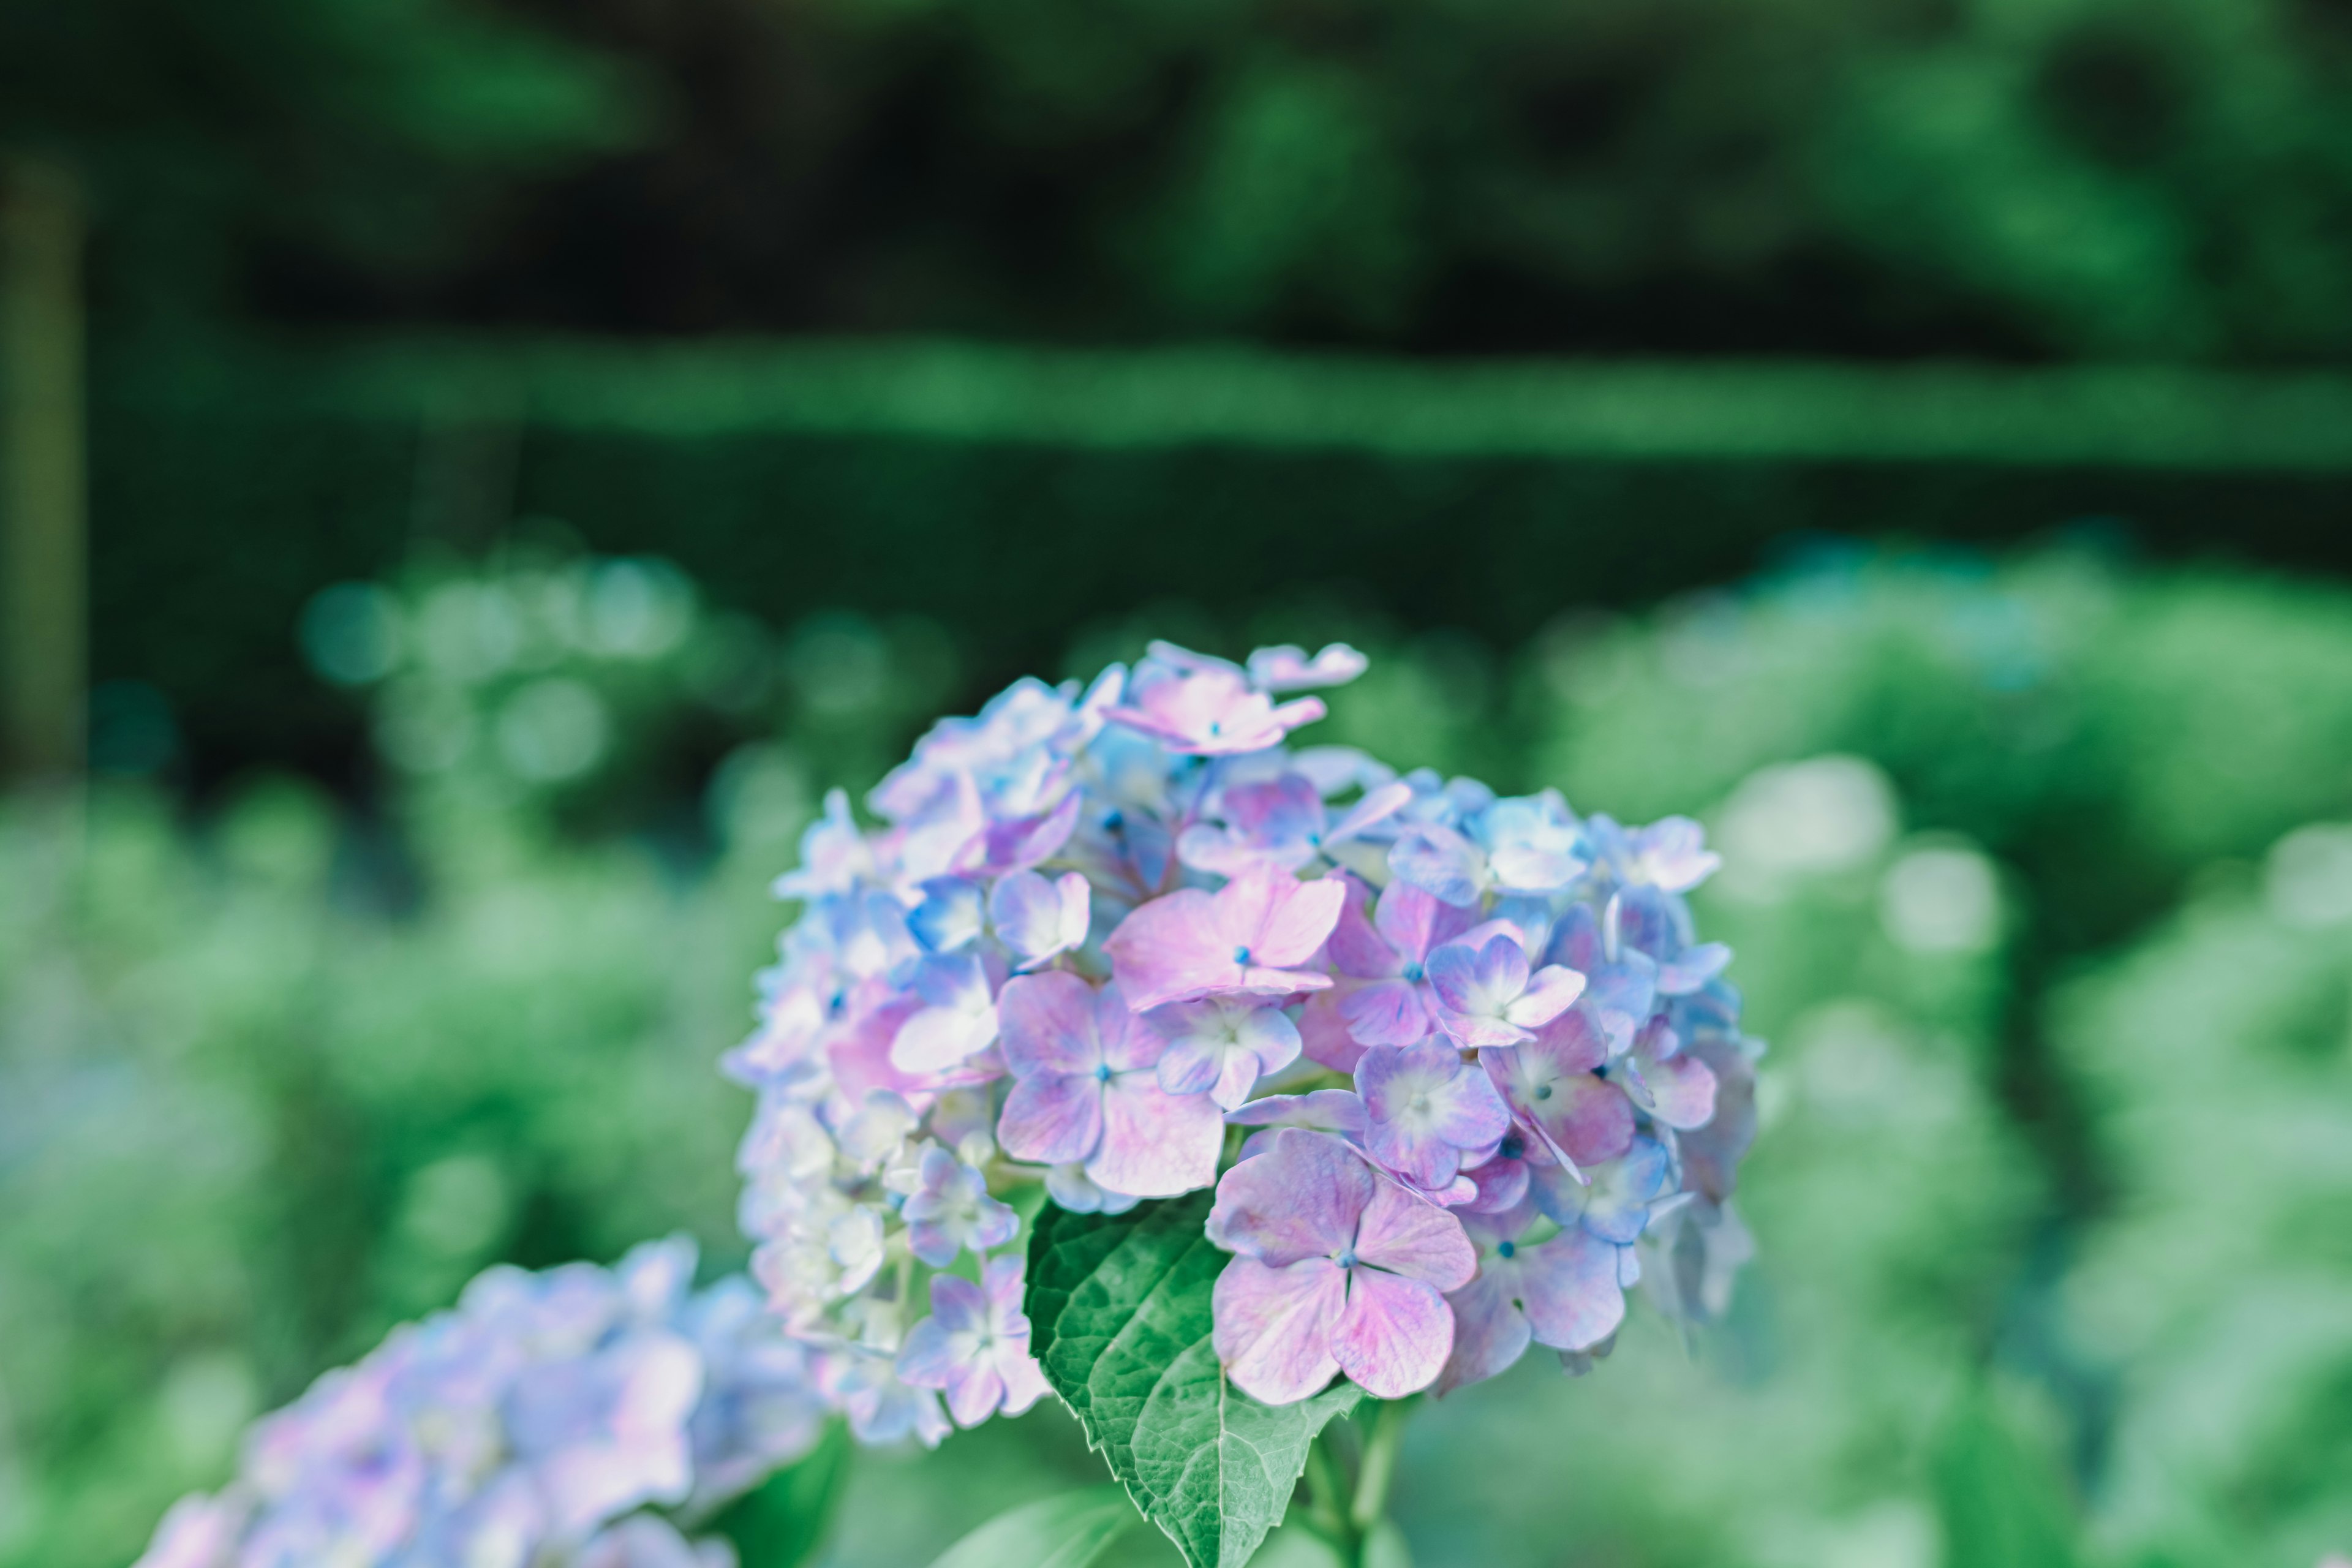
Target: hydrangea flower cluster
(575, 1418)
(1455, 1064)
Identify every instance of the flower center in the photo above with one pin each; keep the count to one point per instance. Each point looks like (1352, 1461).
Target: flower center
(1102, 1072)
(1413, 973)
(1506, 1249)
(1346, 1259)
(1241, 956)
(1543, 1091)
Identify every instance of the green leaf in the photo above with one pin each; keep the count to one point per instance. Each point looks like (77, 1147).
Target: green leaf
(1065, 1531)
(1118, 1309)
(782, 1522)
(2003, 1505)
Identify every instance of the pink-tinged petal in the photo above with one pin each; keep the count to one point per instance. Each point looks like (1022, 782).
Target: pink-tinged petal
(1490, 1332)
(1128, 1043)
(1377, 806)
(1327, 1109)
(1235, 1078)
(1551, 992)
(1570, 1291)
(1047, 1025)
(1029, 915)
(1440, 862)
(1323, 1031)
(1477, 983)
(1573, 1042)
(958, 1304)
(1272, 1326)
(973, 1394)
(1502, 1186)
(938, 1039)
(1171, 949)
(1680, 1090)
(1415, 922)
(1413, 1239)
(1000, 1282)
(1299, 711)
(1052, 1119)
(860, 1058)
(1469, 1113)
(928, 1358)
(1287, 668)
(1356, 947)
(1190, 1066)
(1385, 1013)
(1473, 1032)
(1024, 1380)
(1693, 968)
(1712, 1153)
(1275, 919)
(1590, 1119)
(1302, 1198)
(1017, 845)
(1156, 1144)
(1395, 1334)
(1281, 809)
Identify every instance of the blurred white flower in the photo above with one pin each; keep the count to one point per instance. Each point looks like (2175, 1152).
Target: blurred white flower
(1941, 899)
(1822, 816)
(2308, 879)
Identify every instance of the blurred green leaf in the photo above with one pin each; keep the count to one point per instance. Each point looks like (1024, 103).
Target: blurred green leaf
(2001, 1505)
(1120, 1313)
(1067, 1531)
(782, 1523)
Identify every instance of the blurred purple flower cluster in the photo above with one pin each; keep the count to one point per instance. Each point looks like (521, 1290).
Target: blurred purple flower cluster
(581, 1418)
(1464, 1066)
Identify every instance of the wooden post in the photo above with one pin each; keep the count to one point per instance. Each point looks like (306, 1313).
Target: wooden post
(43, 542)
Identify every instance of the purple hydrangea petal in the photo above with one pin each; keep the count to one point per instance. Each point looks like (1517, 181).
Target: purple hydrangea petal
(1274, 1326)
(1046, 1023)
(1190, 1066)
(1406, 1236)
(1440, 862)
(1302, 1198)
(1551, 992)
(1377, 805)
(1156, 1144)
(1385, 1013)
(1693, 968)
(1570, 1291)
(1490, 1331)
(1327, 1109)
(1357, 947)
(1678, 1091)
(1416, 922)
(1395, 1334)
(1037, 918)
(1052, 1119)
(1287, 668)
(950, 917)
(1278, 919)
(1323, 1031)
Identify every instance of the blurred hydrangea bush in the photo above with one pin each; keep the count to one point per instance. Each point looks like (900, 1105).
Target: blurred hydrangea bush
(2028, 869)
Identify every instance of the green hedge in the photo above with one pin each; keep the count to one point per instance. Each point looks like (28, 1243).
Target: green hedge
(1015, 495)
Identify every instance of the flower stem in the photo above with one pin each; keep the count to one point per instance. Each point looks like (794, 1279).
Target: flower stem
(1380, 1464)
(1325, 1500)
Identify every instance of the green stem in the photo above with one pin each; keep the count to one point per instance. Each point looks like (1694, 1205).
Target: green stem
(1325, 1500)
(1379, 1466)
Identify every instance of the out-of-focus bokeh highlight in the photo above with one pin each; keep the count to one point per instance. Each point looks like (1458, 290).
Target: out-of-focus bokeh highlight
(472, 474)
